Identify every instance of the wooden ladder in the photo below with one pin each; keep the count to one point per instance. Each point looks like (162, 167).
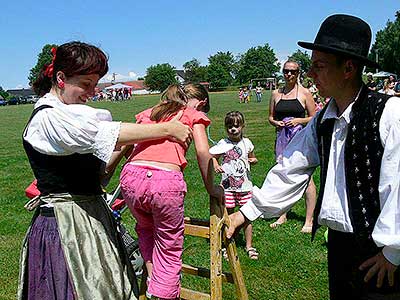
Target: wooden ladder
(215, 230)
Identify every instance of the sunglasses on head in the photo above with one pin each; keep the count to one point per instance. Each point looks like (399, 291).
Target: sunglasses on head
(287, 71)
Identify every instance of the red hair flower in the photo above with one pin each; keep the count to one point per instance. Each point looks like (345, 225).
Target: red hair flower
(49, 70)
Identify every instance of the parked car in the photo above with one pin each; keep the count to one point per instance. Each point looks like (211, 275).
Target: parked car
(32, 99)
(3, 102)
(13, 101)
(23, 100)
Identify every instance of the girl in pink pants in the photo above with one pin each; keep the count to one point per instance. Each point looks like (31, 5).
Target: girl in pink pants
(153, 186)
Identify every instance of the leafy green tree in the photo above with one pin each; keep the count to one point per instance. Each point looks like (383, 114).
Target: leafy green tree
(387, 46)
(43, 58)
(194, 71)
(159, 77)
(257, 62)
(3, 93)
(302, 58)
(220, 71)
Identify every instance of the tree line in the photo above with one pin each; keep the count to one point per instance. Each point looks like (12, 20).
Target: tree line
(224, 69)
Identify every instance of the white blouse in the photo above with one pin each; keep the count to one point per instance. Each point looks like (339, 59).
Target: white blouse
(287, 181)
(74, 128)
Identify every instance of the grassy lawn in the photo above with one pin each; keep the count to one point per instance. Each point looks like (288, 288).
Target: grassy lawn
(290, 266)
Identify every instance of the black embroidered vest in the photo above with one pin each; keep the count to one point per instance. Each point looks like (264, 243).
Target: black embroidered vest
(363, 156)
(77, 174)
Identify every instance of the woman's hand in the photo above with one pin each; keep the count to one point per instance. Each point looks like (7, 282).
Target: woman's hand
(183, 134)
(293, 122)
(279, 124)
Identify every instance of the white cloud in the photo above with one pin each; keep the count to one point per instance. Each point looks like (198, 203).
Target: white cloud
(119, 77)
(21, 86)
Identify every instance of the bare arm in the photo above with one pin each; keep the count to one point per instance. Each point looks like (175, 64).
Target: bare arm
(204, 159)
(252, 158)
(217, 166)
(112, 164)
(117, 156)
(131, 133)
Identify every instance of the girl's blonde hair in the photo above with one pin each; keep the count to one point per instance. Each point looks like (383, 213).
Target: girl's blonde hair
(197, 91)
(171, 101)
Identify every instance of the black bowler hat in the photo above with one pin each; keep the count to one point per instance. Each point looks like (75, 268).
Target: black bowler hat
(346, 35)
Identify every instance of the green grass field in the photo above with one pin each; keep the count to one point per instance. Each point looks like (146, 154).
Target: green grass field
(290, 266)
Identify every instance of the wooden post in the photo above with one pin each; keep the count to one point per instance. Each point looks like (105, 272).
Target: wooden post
(215, 230)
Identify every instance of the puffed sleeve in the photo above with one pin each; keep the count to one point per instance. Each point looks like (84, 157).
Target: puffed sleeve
(249, 145)
(201, 118)
(75, 129)
(143, 117)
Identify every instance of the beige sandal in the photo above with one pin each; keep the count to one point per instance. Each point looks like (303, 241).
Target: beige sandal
(252, 253)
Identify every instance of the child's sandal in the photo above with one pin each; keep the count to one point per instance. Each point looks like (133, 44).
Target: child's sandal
(225, 254)
(252, 253)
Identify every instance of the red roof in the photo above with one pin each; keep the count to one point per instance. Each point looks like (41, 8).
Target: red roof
(136, 84)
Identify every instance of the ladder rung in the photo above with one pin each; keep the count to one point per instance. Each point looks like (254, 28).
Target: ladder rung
(194, 295)
(194, 221)
(203, 272)
(196, 230)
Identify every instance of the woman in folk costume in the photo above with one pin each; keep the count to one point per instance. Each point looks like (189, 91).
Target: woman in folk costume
(72, 249)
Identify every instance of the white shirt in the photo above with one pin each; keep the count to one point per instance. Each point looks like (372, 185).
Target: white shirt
(236, 166)
(287, 181)
(389, 92)
(74, 128)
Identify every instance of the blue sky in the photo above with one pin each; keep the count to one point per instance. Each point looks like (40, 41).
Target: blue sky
(137, 34)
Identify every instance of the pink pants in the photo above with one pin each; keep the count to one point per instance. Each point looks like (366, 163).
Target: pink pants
(155, 198)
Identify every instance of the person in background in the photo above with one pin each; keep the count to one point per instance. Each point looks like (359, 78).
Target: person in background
(259, 90)
(288, 107)
(371, 84)
(388, 88)
(240, 94)
(355, 140)
(72, 249)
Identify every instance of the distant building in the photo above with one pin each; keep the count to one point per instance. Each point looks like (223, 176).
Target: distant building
(180, 76)
(21, 92)
(138, 87)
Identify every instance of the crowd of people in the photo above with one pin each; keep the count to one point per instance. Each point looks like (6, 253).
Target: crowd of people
(73, 248)
(113, 95)
(388, 86)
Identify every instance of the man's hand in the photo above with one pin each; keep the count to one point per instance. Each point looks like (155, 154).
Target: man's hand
(379, 264)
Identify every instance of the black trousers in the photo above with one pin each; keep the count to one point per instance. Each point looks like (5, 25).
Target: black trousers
(346, 281)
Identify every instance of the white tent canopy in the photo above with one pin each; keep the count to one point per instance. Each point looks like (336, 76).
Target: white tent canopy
(383, 74)
(118, 86)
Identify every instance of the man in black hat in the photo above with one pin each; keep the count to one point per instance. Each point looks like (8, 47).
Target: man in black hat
(355, 140)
